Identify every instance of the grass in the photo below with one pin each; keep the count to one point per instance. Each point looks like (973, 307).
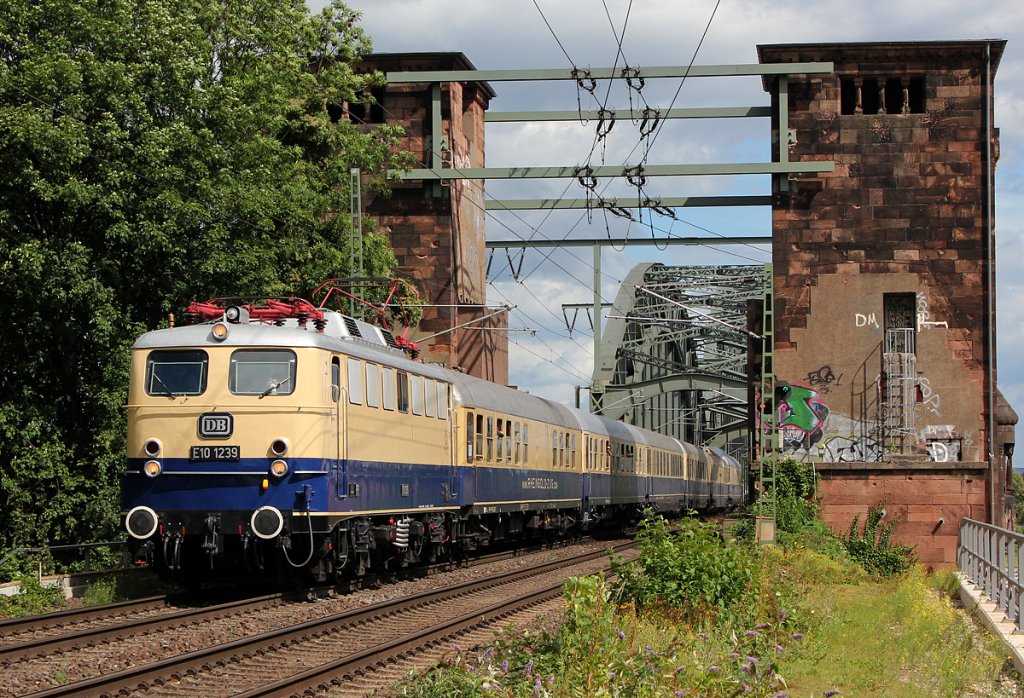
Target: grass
(822, 627)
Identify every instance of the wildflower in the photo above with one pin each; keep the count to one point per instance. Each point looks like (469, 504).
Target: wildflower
(551, 680)
(538, 689)
(611, 675)
(752, 660)
(486, 686)
(470, 668)
(702, 636)
(780, 648)
(622, 635)
(504, 666)
(762, 626)
(752, 633)
(714, 669)
(797, 636)
(680, 693)
(733, 655)
(830, 693)
(528, 669)
(746, 667)
(781, 695)
(488, 653)
(456, 648)
(782, 614)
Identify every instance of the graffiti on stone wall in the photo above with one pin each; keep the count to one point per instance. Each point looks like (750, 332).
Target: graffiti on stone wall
(824, 379)
(801, 416)
(929, 398)
(862, 320)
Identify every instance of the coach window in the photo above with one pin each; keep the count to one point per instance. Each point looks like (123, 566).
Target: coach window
(429, 397)
(355, 382)
(262, 372)
(501, 442)
(490, 439)
(442, 401)
(518, 442)
(526, 443)
(479, 436)
(403, 391)
(470, 436)
(416, 384)
(554, 448)
(508, 441)
(372, 385)
(572, 460)
(389, 388)
(174, 373)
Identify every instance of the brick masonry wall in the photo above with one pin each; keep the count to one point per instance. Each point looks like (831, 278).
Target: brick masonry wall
(919, 498)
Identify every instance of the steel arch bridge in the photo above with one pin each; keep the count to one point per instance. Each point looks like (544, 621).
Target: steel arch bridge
(675, 353)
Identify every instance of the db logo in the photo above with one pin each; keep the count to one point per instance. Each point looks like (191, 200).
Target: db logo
(216, 425)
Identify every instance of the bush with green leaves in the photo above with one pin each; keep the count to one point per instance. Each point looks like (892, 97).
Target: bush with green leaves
(692, 569)
(32, 598)
(872, 547)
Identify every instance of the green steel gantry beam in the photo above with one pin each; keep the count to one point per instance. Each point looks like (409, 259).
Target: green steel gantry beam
(675, 71)
(626, 202)
(562, 172)
(619, 242)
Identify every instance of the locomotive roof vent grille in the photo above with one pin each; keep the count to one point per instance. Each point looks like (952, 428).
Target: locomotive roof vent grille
(351, 326)
(389, 338)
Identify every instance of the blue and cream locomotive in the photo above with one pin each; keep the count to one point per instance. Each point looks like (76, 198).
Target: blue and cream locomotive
(285, 440)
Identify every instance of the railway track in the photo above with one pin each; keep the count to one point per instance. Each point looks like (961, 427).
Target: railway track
(314, 654)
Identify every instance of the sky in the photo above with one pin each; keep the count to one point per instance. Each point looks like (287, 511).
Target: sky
(547, 358)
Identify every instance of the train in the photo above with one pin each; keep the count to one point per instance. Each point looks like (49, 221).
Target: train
(279, 440)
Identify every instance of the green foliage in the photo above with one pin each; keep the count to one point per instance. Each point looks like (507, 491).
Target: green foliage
(32, 598)
(100, 592)
(872, 547)
(796, 509)
(152, 153)
(692, 569)
(1018, 496)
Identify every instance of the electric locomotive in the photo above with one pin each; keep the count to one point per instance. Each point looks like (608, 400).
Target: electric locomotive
(282, 440)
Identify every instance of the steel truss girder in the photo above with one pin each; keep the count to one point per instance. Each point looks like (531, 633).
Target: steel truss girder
(679, 365)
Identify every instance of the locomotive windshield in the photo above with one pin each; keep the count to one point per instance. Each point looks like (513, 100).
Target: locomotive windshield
(262, 372)
(176, 372)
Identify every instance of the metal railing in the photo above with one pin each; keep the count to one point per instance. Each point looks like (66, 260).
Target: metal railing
(84, 548)
(992, 558)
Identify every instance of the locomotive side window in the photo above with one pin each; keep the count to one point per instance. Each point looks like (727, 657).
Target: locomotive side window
(470, 436)
(372, 385)
(429, 397)
(390, 400)
(262, 372)
(403, 391)
(355, 382)
(416, 384)
(442, 401)
(174, 373)
(335, 379)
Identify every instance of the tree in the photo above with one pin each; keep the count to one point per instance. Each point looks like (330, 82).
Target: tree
(153, 152)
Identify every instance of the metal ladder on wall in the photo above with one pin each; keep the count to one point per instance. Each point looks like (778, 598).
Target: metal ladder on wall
(768, 424)
(900, 396)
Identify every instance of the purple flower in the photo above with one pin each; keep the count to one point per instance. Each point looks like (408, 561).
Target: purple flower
(680, 693)
(733, 655)
(798, 636)
(456, 648)
(528, 669)
(702, 636)
(745, 667)
(752, 633)
(622, 635)
(782, 614)
(762, 626)
(538, 688)
(714, 669)
(781, 695)
(471, 669)
(488, 653)
(504, 666)
(486, 686)
(752, 660)
(780, 648)
(830, 693)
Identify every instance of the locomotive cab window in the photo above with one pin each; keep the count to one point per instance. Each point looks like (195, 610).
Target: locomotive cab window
(403, 391)
(372, 385)
(174, 373)
(355, 382)
(416, 383)
(390, 400)
(262, 372)
(442, 401)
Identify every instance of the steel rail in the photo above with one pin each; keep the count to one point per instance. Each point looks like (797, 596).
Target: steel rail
(71, 616)
(128, 680)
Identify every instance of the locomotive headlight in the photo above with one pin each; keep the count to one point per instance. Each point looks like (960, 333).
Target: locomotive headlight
(279, 468)
(152, 448)
(220, 331)
(141, 522)
(152, 468)
(279, 447)
(233, 313)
